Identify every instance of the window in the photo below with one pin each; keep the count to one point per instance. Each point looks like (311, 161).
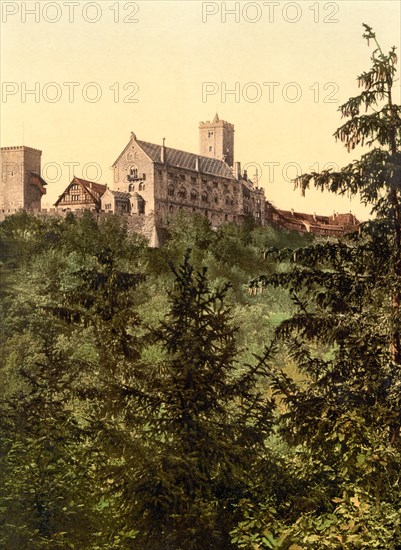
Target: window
(141, 187)
(141, 207)
(216, 184)
(194, 196)
(182, 177)
(216, 199)
(210, 134)
(171, 191)
(210, 148)
(144, 177)
(204, 197)
(131, 187)
(193, 179)
(182, 193)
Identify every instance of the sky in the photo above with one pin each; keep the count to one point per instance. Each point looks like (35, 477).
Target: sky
(79, 76)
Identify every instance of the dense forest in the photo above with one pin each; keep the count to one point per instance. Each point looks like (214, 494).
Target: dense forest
(237, 388)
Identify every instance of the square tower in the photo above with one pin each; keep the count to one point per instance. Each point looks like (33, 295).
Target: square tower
(21, 186)
(216, 140)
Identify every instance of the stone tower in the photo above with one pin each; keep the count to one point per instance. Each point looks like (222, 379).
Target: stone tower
(216, 139)
(21, 186)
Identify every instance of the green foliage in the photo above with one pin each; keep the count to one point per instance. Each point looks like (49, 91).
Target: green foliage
(341, 420)
(201, 425)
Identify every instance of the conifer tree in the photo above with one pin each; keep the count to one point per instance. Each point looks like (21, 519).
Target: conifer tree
(201, 425)
(343, 419)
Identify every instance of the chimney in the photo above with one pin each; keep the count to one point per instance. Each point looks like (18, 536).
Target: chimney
(197, 164)
(314, 216)
(245, 175)
(163, 152)
(237, 170)
(292, 211)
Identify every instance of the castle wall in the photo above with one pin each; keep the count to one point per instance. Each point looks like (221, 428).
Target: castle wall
(16, 190)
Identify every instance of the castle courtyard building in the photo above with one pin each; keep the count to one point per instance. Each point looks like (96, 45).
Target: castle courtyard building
(81, 195)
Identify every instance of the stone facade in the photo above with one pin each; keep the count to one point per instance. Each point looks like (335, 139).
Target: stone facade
(163, 181)
(216, 140)
(22, 186)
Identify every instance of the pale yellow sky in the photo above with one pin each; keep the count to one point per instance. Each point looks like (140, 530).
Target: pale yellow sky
(99, 70)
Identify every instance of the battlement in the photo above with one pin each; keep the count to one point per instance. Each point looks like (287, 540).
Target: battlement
(216, 140)
(21, 148)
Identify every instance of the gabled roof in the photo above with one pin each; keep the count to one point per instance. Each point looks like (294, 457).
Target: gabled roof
(182, 159)
(90, 185)
(94, 189)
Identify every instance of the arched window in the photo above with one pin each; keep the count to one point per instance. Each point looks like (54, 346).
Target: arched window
(204, 197)
(194, 196)
(182, 193)
(133, 173)
(171, 191)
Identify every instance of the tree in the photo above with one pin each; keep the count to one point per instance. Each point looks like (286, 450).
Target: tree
(342, 421)
(201, 427)
(67, 339)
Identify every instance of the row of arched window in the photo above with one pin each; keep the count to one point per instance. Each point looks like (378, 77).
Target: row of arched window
(140, 187)
(182, 194)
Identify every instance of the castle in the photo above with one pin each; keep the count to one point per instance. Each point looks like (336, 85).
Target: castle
(152, 182)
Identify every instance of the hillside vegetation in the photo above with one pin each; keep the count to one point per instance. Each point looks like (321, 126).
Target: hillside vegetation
(234, 389)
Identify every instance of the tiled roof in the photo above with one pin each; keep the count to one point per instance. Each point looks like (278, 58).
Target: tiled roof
(344, 219)
(99, 188)
(300, 216)
(340, 220)
(121, 195)
(182, 159)
(39, 177)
